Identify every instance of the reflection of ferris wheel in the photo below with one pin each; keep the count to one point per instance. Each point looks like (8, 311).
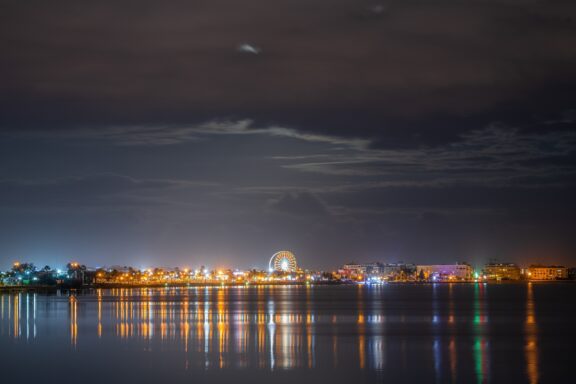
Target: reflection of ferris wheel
(283, 261)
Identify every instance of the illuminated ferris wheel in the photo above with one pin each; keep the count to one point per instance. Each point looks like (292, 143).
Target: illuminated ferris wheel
(283, 261)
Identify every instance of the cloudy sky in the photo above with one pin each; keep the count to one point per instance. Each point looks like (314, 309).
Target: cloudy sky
(218, 132)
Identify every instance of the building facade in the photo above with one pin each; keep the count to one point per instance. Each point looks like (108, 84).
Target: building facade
(501, 271)
(550, 272)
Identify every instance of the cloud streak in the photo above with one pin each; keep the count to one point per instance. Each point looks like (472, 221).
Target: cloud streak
(497, 155)
(170, 135)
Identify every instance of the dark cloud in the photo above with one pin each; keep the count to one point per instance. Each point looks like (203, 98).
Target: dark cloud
(495, 156)
(393, 78)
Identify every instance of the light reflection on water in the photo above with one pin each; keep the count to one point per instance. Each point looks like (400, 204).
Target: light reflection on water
(450, 332)
(531, 332)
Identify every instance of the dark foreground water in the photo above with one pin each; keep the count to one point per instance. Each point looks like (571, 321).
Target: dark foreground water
(457, 333)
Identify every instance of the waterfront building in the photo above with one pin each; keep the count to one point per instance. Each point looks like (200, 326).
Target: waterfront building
(353, 271)
(550, 272)
(501, 271)
(358, 271)
(398, 271)
(445, 272)
(373, 269)
(377, 271)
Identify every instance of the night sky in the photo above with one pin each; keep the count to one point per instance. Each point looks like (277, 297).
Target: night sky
(216, 132)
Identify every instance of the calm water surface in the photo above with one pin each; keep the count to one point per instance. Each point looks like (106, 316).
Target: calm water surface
(442, 333)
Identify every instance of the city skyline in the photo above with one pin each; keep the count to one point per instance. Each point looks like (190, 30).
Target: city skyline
(283, 270)
(281, 261)
(264, 264)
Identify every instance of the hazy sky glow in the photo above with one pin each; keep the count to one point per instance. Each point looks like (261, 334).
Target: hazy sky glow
(147, 133)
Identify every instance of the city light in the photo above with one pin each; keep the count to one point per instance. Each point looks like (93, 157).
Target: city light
(283, 269)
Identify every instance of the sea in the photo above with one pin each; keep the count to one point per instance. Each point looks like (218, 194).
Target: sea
(391, 333)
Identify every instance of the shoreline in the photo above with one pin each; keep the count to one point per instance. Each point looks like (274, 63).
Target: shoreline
(54, 288)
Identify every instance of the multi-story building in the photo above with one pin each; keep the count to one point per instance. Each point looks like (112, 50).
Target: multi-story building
(502, 271)
(445, 272)
(352, 270)
(398, 271)
(361, 271)
(380, 271)
(549, 272)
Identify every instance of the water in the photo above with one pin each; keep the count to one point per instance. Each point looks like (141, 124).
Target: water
(441, 333)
